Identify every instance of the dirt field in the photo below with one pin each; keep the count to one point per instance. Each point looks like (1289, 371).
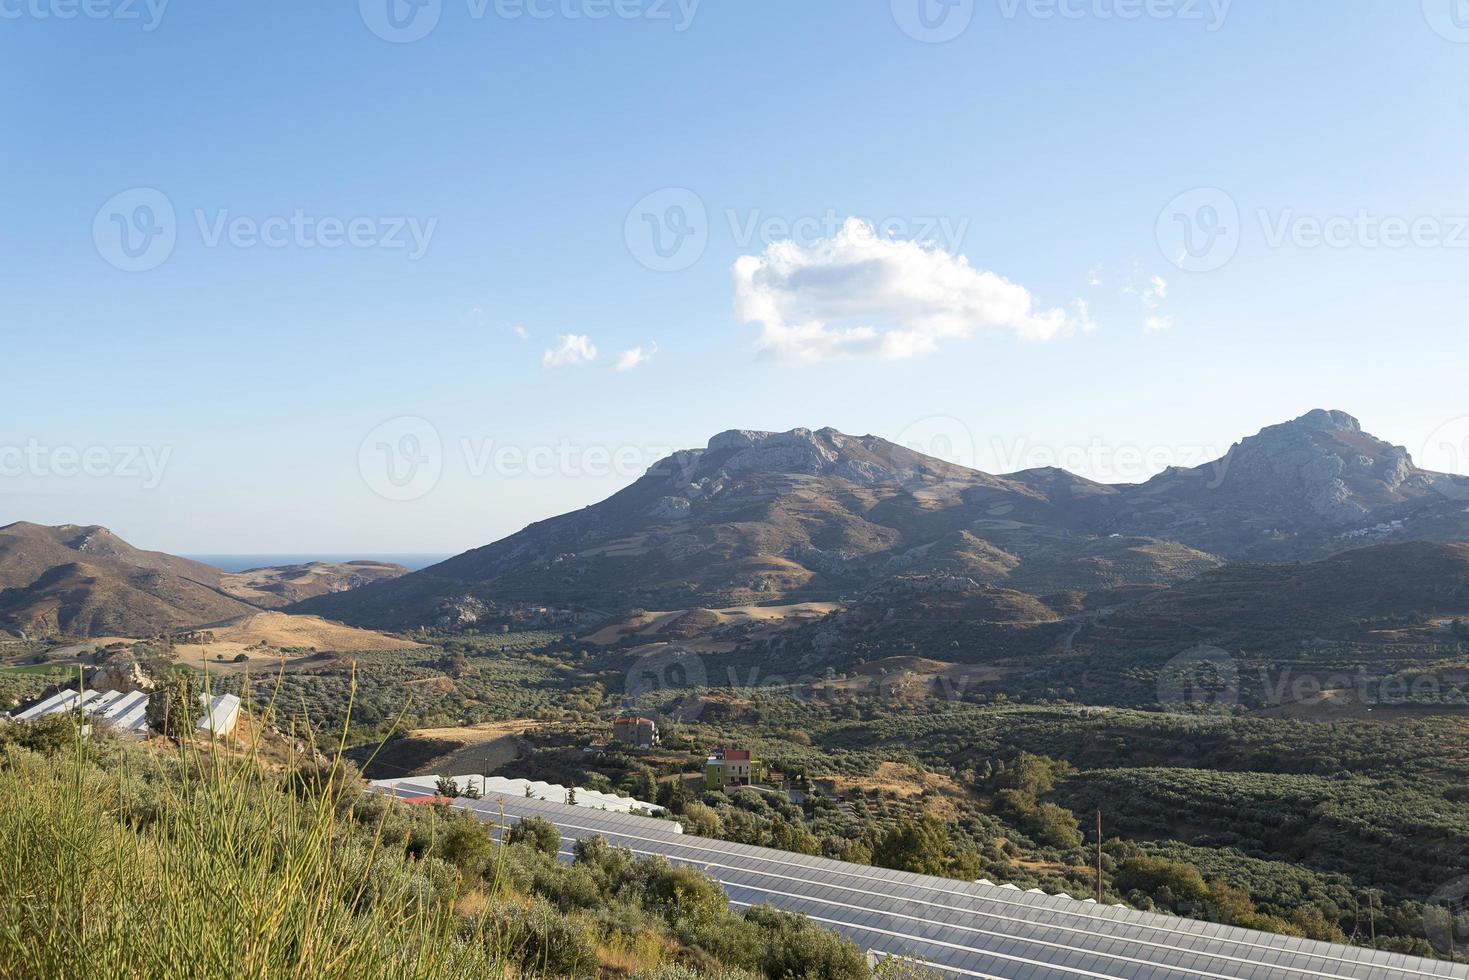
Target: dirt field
(649, 624)
(265, 636)
(916, 677)
(451, 751)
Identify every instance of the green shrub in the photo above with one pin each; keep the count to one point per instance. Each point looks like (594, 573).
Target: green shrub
(539, 833)
(540, 940)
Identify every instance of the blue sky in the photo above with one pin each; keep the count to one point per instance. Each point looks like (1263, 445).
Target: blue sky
(393, 393)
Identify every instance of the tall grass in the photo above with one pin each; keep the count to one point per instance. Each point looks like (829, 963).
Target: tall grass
(118, 862)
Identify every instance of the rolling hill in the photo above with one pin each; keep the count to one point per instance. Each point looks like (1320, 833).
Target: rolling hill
(82, 580)
(86, 581)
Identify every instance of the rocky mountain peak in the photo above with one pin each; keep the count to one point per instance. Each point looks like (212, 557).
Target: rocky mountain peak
(740, 453)
(1324, 420)
(1323, 462)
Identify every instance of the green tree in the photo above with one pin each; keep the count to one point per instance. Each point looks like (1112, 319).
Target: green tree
(642, 784)
(173, 706)
(920, 846)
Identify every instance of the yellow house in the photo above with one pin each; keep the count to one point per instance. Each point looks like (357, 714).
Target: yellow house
(731, 767)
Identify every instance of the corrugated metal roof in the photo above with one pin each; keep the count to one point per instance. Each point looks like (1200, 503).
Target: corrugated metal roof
(977, 929)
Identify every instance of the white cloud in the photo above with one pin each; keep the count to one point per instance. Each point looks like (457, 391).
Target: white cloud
(857, 294)
(1155, 292)
(1083, 319)
(571, 348)
(631, 358)
(520, 331)
(1152, 290)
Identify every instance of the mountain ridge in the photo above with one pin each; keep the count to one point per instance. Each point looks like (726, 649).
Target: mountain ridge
(814, 514)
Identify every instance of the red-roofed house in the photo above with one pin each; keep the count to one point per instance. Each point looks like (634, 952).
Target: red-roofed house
(637, 733)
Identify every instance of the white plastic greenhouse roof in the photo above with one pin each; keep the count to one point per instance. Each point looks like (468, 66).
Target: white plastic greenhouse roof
(972, 929)
(526, 789)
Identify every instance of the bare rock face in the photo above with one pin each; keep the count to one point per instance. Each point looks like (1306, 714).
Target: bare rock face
(670, 508)
(1325, 460)
(460, 611)
(121, 673)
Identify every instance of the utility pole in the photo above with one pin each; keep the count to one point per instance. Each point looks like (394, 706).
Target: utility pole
(1099, 857)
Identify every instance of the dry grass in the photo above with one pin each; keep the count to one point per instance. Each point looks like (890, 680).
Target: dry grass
(651, 623)
(201, 864)
(280, 630)
(900, 780)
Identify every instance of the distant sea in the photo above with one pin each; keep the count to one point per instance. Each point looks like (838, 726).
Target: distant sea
(240, 563)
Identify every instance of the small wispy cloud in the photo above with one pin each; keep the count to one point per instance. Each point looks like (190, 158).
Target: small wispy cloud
(520, 331)
(1152, 291)
(1155, 292)
(631, 358)
(570, 349)
(1083, 318)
